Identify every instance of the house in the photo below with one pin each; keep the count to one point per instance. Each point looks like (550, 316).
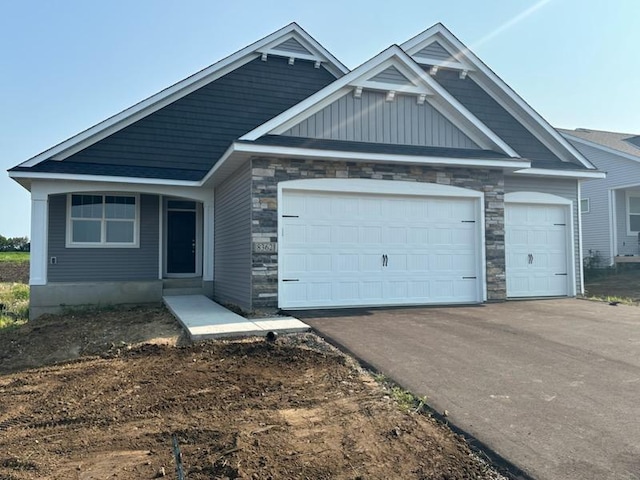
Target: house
(278, 178)
(611, 207)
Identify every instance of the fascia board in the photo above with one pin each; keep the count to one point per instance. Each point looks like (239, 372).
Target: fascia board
(545, 172)
(275, 150)
(101, 178)
(171, 94)
(604, 148)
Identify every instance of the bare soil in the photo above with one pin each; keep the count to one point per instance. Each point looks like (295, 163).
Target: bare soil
(624, 284)
(17, 272)
(250, 409)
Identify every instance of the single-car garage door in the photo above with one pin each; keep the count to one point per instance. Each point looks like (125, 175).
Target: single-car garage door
(536, 248)
(358, 249)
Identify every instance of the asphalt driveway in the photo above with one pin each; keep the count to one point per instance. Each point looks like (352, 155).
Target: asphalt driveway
(552, 385)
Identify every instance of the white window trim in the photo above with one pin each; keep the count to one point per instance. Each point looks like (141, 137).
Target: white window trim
(628, 196)
(588, 207)
(103, 243)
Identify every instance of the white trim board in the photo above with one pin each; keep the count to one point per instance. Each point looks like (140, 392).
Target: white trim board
(152, 104)
(545, 172)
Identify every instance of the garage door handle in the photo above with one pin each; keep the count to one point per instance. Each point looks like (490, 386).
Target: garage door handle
(385, 260)
(530, 259)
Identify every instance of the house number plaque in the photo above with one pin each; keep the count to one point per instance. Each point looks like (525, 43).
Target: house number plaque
(265, 247)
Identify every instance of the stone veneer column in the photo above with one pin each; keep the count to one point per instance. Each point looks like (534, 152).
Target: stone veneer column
(267, 173)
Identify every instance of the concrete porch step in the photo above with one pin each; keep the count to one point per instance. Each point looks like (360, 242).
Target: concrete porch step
(190, 282)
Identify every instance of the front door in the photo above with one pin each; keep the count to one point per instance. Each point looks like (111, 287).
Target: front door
(181, 242)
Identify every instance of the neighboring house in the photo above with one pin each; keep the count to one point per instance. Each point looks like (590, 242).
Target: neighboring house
(277, 178)
(611, 207)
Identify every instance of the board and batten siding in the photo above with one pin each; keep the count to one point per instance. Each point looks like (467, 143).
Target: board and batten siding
(596, 224)
(563, 188)
(232, 234)
(103, 264)
(372, 119)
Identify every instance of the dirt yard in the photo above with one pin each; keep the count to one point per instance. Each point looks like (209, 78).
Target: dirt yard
(14, 272)
(622, 285)
(293, 409)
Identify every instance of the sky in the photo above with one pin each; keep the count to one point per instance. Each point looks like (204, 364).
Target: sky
(66, 65)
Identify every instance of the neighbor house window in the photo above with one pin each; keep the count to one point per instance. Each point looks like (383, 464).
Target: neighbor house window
(102, 220)
(584, 205)
(633, 214)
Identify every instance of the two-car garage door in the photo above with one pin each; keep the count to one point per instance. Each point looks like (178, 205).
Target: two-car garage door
(366, 249)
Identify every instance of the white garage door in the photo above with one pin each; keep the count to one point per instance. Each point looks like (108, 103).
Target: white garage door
(341, 249)
(536, 238)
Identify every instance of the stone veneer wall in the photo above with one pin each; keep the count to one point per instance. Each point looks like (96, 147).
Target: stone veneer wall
(267, 173)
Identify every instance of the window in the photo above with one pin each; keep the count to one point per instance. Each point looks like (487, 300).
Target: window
(584, 205)
(633, 213)
(102, 220)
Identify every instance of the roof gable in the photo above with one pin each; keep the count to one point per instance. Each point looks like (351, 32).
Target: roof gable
(394, 73)
(184, 139)
(289, 39)
(467, 64)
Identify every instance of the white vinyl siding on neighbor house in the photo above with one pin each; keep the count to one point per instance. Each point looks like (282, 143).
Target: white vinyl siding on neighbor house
(604, 232)
(102, 220)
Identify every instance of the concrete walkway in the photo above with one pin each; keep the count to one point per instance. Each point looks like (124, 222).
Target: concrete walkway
(203, 318)
(553, 386)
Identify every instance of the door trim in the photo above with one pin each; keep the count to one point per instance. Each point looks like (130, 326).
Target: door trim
(538, 198)
(198, 212)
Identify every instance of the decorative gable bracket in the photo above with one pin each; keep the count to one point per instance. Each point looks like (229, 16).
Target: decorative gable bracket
(293, 47)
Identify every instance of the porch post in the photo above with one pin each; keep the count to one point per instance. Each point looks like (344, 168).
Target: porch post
(208, 244)
(39, 237)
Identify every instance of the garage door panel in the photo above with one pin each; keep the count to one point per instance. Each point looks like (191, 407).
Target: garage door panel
(536, 250)
(345, 267)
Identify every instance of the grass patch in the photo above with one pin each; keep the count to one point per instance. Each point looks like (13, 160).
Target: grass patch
(14, 256)
(14, 304)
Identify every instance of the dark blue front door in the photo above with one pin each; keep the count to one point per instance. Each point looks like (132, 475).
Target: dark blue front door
(181, 242)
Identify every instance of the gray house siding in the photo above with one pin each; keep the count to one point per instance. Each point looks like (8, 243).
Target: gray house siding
(103, 264)
(232, 237)
(186, 137)
(373, 119)
(596, 224)
(563, 188)
(434, 50)
(291, 45)
(492, 114)
(391, 75)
